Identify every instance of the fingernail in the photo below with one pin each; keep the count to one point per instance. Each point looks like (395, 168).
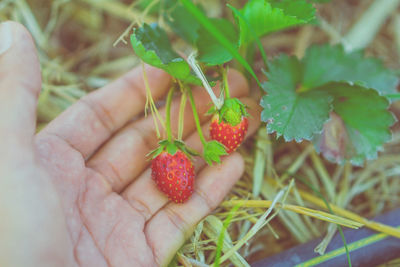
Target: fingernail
(5, 37)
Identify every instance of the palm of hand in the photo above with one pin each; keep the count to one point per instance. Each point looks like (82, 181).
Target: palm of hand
(94, 191)
(102, 226)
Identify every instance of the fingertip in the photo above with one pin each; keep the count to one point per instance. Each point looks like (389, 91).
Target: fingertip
(236, 161)
(238, 83)
(20, 57)
(231, 167)
(17, 27)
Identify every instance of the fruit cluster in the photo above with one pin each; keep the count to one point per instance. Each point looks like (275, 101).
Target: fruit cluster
(172, 167)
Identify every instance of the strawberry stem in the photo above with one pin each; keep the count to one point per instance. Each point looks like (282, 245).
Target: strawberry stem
(182, 111)
(196, 117)
(168, 114)
(225, 81)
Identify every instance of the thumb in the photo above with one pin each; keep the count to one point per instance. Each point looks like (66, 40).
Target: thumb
(20, 84)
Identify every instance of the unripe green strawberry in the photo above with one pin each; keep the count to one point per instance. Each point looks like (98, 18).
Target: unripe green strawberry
(174, 175)
(232, 111)
(230, 136)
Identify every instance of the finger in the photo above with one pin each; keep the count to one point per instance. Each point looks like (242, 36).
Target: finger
(148, 204)
(122, 158)
(172, 225)
(20, 84)
(95, 117)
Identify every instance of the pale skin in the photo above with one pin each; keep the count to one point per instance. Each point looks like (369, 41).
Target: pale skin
(79, 193)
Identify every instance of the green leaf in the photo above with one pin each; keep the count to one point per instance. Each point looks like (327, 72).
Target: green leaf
(299, 9)
(218, 35)
(263, 17)
(366, 122)
(257, 40)
(213, 150)
(152, 45)
(328, 83)
(324, 64)
(294, 115)
(182, 23)
(211, 51)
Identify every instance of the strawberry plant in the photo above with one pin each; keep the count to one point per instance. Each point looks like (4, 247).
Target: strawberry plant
(334, 97)
(329, 89)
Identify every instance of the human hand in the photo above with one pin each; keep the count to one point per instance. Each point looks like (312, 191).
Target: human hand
(79, 193)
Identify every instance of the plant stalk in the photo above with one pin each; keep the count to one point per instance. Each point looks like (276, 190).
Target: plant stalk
(225, 82)
(182, 114)
(168, 114)
(196, 117)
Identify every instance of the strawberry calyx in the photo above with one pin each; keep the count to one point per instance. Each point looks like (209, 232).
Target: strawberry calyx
(171, 147)
(232, 111)
(213, 150)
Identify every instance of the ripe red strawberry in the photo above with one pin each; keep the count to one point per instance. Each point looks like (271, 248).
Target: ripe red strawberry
(174, 175)
(230, 136)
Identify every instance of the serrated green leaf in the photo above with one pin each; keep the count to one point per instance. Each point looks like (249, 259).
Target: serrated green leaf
(366, 119)
(301, 96)
(268, 16)
(213, 150)
(324, 64)
(299, 9)
(210, 50)
(294, 115)
(152, 45)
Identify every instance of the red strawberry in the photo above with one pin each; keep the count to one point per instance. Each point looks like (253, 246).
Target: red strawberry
(230, 136)
(174, 175)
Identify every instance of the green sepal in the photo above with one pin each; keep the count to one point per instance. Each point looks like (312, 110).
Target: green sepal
(232, 111)
(213, 150)
(185, 149)
(172, 148)
(154, 153)
(211, 111)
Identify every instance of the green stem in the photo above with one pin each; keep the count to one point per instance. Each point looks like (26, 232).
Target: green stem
(196, 117)
(168, 114)
(225, 81)
(182, 114)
